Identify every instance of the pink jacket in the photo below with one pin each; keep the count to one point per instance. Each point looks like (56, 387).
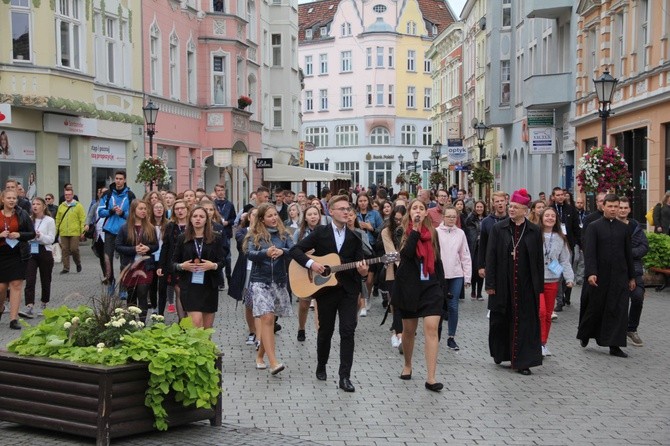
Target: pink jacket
(454, 252)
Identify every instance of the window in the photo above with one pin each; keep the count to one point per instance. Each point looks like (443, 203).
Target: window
(191, 74)
(68, 25)
(411, 28)
(323, 63)
(155, 55)
(427, 98)
(346, 135)
(317, 136)
(411, 97)
(309, 69)
(532, 52)
(379, 9)
(427, 66)
(345, 65)
(427, 135)
(368, 95)
(323, 31)
(174, 63)
(547, 57)
(346, 100)
(219, 94)
(251, 19)
(309, 34)
(619, 50)
(380, 172)
(408, 135)
(411, 60)
(350, 167)
(380, 57)
(323, 99)
(368, 57)
(276, 112)
(519, 79)
(505, 78)
(380, 95)
(507, 13)
(276, 50)
(645, 25)
(380, 136)
(390, 96)
(294, 52)
(217, 6)
(309, 101)
(391, 58)
(21, 32)
(345, 29)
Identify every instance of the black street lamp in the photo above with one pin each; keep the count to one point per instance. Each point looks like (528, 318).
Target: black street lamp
(604, 91)
(481, 129)
(437, 149)
(415, 154)
(327, 161)
(150, 115)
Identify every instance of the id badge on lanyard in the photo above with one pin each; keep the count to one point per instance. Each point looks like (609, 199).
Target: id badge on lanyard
(422, 275)
(198, 277)
(34, 248)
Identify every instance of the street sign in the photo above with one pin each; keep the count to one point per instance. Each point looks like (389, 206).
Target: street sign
(264, 163)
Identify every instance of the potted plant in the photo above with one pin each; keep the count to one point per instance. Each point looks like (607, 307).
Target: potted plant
(481, 175)
(436, 178)
(657, 258)
(603, 169)
(414, 178)
(99, 371)
(243, 102)
(153, 170)
(400, 179)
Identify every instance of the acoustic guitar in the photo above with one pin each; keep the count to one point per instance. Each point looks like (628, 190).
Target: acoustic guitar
(305, 282)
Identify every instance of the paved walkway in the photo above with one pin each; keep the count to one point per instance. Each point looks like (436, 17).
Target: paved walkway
(579, 396)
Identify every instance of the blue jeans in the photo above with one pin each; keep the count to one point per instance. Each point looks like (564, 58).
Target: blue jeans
(454, 287)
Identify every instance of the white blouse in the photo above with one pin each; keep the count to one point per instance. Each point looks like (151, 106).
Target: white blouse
(46, 226)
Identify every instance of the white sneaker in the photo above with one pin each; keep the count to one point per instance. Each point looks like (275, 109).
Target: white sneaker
(488, 314)
(546, 351)
(554, 316)
(364, 312)
(251, 339)
(312, 303)
(367, 304)
(395, 342)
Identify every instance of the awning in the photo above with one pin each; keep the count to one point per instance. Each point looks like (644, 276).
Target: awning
(284, 172)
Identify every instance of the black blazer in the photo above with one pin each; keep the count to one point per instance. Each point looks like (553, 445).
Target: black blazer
(322, 241)
(185, 251)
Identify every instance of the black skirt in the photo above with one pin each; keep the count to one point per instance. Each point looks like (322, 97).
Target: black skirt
(199, 297)
(431, 302)
(11, 266)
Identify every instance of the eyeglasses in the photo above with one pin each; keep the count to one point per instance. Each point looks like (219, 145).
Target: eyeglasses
(341, 209)
(48, 199)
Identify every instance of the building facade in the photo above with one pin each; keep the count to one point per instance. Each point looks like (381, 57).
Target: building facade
(368, 90)
(70, 94)
(631, 40)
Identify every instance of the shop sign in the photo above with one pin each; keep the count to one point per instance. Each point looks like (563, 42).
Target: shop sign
(70, 125)
(540, 118)
(541, 140)
(108, 153)
(264, 163)
(456, 153)
(221, 157)
(5, 114)
(17, 146)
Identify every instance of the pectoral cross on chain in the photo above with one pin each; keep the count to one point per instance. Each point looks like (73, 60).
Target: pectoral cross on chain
(513, 254)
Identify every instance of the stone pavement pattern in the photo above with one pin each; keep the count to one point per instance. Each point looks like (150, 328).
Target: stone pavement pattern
(579, 396)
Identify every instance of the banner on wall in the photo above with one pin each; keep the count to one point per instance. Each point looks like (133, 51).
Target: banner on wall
(541, 140)
(5, 114)
(16, 145)
(70, 125)
(108, 153)
(456, 153)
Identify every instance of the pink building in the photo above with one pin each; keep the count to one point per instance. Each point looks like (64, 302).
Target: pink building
(199, 58)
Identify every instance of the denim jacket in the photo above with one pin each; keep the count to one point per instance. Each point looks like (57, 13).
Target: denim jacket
(263, 268)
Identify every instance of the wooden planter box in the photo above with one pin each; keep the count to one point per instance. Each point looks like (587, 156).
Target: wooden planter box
(102, 402)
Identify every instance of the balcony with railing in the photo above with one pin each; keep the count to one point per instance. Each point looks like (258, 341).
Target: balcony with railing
(548, 90)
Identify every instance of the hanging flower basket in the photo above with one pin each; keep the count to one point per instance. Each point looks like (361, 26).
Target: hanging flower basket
(400, 179)
(414, 178)
(481, 175)
(603, 169)
(436, 178)
(153, 170)
(243, 102)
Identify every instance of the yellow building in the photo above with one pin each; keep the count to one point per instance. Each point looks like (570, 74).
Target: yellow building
(629, 39)
(70, 93)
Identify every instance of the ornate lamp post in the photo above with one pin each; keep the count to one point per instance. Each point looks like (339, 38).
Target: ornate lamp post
(327, 162)
(150, 115)
(605, 90)
(415, 155)
(437, 148)
(481, 129)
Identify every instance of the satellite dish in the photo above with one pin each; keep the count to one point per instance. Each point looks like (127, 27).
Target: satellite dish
(474, 122)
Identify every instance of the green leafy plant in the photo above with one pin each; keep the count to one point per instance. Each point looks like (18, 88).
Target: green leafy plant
(659, 251)
(181, 358)
(153, 170)
(436, 178)
(481, 175)
(603, 169)
(414, 178)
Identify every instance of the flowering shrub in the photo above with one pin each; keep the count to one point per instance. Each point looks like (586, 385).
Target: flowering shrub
(436, 178)
(603, 169)
(244, 101)
(414, 178)
(481, 175)
(181, 358)
(153, 170)
(400, 179)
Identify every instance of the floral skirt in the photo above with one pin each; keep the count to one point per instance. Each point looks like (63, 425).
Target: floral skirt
(269, 298)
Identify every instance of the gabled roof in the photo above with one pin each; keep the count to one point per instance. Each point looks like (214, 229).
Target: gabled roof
(315, 15)
(437, 12)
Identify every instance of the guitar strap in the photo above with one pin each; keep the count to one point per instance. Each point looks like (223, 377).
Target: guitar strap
(386, 314)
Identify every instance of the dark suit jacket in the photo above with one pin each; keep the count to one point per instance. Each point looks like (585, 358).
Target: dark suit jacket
(322, 241)
(570, 217)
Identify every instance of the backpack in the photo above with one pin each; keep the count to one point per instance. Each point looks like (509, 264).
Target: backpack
(650, 214)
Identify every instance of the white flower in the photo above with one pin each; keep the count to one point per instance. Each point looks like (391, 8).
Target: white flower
(101, 345)
(134, 310)
(108, 324)
(121, 322)
(116, 324)
(119, 311)
(140, 324)
(132, 323)
(67, 325)
(75, 320)
(121, 338)
(157, 318)
(100, 350)
(89, 319)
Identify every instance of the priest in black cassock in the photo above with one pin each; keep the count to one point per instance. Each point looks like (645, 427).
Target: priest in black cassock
(610, 276)
(514, 281)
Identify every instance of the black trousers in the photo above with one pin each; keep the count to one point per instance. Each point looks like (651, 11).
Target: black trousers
(335, 302)
(44, 262)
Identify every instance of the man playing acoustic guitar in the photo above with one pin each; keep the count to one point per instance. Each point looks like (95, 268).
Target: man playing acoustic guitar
(341, 299)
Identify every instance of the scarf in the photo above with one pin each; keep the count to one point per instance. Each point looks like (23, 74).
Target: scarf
(424, 248)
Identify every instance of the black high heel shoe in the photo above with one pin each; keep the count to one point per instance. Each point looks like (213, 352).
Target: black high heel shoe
(406, 377)
(435, 387)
